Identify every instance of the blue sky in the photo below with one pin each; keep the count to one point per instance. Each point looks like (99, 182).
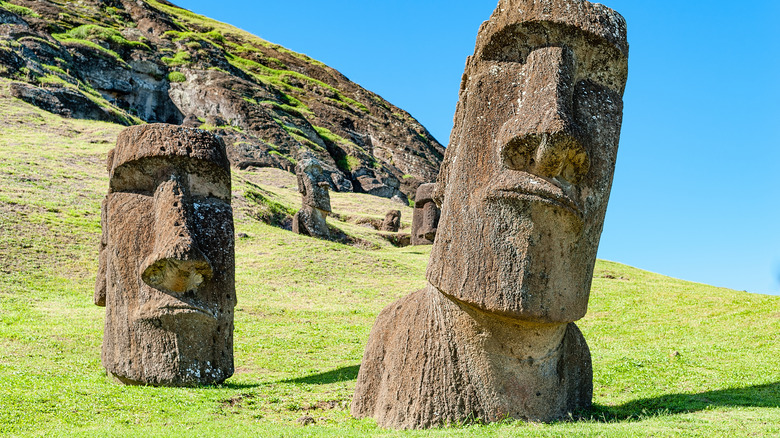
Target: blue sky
(697, 186)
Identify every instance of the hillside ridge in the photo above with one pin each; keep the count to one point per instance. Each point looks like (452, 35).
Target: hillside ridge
(131, 62)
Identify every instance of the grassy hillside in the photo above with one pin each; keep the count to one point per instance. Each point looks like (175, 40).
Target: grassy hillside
(131, 62)
(670, 357)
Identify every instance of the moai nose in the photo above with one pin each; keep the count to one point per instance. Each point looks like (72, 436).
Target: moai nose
(542, 137)
(176, 264)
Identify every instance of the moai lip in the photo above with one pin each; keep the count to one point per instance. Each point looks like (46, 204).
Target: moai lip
(523, 191)
(167, 269)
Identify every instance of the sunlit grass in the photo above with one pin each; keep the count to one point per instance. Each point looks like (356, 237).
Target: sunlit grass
(670, 358)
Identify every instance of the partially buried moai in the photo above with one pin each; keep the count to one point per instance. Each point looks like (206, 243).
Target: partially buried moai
(392, 222)
(166, 271)
(315, 200)
(524, 188)
(425, 219)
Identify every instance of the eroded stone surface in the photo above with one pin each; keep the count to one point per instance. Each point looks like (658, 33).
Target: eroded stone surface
(166, 271)
(425, 219)
(392, 222)
(315, 200)
(524, 189)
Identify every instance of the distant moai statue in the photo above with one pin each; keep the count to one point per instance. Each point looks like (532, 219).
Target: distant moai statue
(315, 201)
(523, 187)
(392, 222)
(425, 219)
(166, 272)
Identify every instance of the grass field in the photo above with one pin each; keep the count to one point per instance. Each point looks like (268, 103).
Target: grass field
(670, 358)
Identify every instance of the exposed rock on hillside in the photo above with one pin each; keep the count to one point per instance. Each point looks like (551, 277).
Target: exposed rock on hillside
(129, 62)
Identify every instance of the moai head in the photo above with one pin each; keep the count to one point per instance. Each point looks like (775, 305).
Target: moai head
(426, 215)
(392, 221)
(166, 272)
(312, 183)
(527, 175)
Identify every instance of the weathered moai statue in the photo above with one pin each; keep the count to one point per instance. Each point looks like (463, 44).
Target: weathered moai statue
(392, 222)
(425, 219)
(166, 271)
(524, 188)
(315, 200)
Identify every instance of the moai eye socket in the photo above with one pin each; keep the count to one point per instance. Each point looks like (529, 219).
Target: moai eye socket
(209, 185)
(133, 177)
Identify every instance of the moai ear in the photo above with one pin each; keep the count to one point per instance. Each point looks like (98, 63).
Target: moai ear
(100, 282)
(441, 183)
(110, 161)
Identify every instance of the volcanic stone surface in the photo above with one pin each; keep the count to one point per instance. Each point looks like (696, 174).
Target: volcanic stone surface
(166, 270)
(524, 188)
(310, 220)
(425, 218)
(392, 221)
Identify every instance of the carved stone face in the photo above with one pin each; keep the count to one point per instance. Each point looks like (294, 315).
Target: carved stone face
(167, 258)
(392, 221)
(426, 216)
(527, 175)
(312, 184)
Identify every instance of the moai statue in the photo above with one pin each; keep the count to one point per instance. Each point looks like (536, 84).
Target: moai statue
(167, 273)
(425, 219)
(313, 186)
(524, 188)
(392, 222)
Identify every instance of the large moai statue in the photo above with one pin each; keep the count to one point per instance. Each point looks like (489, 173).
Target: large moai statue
(315, 200)
(425, 219)
(524, 188)
(167, 273)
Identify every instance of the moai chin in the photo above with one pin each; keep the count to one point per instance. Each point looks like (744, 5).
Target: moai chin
(167, 273)
(425, 219)
(524, 188)
(315, 200)
(392, 222)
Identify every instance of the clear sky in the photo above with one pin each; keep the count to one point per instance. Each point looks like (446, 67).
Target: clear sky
(696, 193)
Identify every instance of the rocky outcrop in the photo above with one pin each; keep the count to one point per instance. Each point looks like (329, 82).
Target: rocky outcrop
(150, 61)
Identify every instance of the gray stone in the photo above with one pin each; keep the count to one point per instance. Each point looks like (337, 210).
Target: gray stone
(340, 183)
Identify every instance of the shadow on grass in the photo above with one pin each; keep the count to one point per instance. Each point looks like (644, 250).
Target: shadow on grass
(338, 375)
(761, 396)
(232, 385)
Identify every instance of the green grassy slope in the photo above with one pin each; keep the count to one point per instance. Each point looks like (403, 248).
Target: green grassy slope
(670, 357)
